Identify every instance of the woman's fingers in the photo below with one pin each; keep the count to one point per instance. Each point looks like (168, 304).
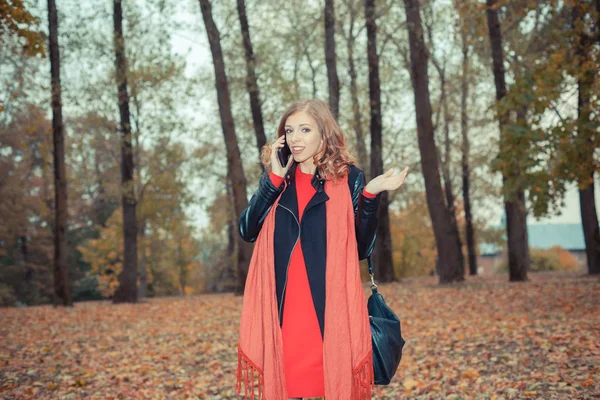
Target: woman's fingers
(404, 173)
(395, 180)
(279, 142)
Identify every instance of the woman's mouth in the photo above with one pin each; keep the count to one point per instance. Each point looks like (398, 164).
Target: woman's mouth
(297, 150)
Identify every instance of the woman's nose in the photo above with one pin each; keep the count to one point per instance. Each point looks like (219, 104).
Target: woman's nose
(291, 138)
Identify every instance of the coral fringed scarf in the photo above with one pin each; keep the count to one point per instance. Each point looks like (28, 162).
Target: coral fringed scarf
(347, 348)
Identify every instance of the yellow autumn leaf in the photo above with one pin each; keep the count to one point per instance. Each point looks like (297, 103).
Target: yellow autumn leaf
(410, 383)
(470, 373)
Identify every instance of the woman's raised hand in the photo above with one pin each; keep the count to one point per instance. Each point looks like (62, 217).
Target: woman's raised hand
(386, 181)
(275, 164)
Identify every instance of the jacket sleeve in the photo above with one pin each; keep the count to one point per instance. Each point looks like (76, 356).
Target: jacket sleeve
(253, 216)
(365, 217)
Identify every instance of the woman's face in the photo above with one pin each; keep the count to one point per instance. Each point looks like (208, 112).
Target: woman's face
(303, 138)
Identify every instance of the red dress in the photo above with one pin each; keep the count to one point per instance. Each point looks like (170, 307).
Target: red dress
(302, 342)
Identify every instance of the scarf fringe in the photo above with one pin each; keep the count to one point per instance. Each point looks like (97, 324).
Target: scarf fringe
(363, 378)
(250, 375)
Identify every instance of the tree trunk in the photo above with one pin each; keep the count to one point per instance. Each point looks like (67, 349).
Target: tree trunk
(61, 285)
(251, 81)
(330, 61)
(598, 21)
(382, 255)
(181, 261)
(313, 71)
(516, 230)
(142, 289)
(235, 170)
(449, 253)
(466, 180)
(445, 162)
(584, 142)
(137, 160)
(450, 202)
(356, 121)
(127, 290)
(232, 236)
(514, 200)
(26, 289)
(591, 233)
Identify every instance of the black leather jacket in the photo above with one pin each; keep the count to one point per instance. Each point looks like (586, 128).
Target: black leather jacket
(310, 231)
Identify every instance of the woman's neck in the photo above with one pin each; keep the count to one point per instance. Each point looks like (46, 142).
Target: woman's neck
(308, 168)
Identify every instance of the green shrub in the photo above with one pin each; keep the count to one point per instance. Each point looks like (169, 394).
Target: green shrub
(86, 288)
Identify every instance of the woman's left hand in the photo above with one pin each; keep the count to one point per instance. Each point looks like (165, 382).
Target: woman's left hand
(386, 181)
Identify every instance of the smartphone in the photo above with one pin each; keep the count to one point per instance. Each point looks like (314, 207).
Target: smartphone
(284, 153)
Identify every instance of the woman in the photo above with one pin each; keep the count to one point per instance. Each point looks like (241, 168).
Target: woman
(312, 220)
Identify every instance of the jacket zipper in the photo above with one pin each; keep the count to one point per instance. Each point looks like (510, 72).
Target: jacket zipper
(288, 263)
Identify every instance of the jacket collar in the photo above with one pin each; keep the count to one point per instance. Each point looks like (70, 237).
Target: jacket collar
(317, 181)
(288, 198)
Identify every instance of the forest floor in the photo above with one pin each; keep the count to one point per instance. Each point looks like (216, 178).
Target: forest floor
(482, 339)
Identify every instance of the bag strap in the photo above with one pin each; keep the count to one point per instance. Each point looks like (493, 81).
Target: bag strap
(373, 284)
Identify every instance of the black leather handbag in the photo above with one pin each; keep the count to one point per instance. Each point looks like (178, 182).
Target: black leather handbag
(386, 335)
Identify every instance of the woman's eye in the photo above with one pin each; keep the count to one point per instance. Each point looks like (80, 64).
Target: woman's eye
(303, 130)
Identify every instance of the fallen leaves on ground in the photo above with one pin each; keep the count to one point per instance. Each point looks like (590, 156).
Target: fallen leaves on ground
(486, 338)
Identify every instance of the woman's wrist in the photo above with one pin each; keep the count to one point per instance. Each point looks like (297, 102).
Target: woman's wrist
(276, 180)
(368, 194)
(369, 189)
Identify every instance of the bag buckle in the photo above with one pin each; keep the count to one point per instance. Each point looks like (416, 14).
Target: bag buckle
(373, 285)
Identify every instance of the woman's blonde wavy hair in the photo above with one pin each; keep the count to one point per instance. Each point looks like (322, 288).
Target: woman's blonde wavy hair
(333, 160)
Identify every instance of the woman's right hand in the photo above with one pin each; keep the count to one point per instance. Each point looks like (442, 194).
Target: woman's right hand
(275, 164)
